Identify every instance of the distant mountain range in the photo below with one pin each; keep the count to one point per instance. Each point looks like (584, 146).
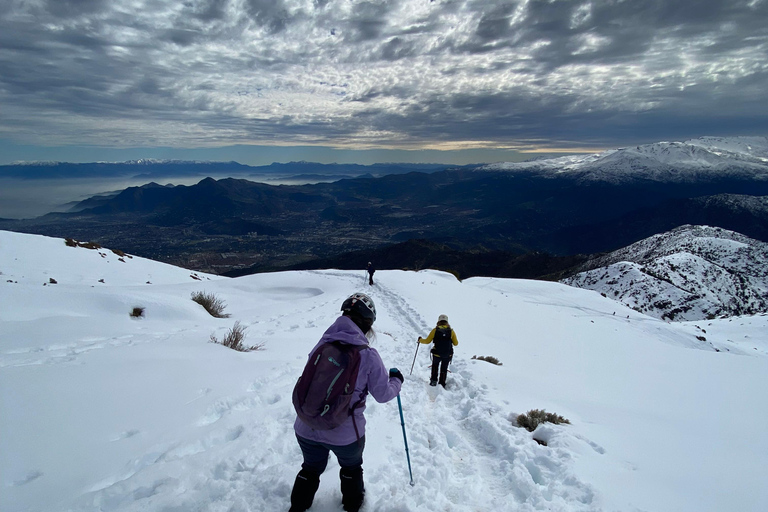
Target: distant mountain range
(156, 169)
(706, 158)
(689, 273)
(477, 219)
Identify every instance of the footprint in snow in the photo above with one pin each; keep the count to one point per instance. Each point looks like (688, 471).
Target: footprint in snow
(126, 434)
(200, 394)
(30, 477)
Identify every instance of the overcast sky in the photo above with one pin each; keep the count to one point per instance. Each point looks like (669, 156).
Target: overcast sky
(84, 80)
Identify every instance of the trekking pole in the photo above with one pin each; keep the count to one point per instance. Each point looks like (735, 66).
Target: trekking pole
(414, 357)
(402, 422)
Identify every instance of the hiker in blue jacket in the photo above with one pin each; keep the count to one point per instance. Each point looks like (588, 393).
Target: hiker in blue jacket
(442, 352)
(346, 441)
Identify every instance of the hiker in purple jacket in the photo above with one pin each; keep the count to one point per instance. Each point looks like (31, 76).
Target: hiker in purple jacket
(348, 439)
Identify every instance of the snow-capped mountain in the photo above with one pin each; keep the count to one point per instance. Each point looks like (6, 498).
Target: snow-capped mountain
(689, 273)
(100, 411)
(697, 159)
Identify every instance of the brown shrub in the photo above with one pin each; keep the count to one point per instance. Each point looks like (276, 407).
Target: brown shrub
(234, 339)
(489, 359)
(530, 420)
(212, 304)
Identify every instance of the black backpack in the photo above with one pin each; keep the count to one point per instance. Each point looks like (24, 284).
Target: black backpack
(443, 342)
(323, 393)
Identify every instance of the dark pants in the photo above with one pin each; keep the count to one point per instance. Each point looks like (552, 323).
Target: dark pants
(440, 364)
(315, 454)
(370, 278)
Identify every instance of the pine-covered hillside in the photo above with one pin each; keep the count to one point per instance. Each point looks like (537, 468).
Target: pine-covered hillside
(689, 273)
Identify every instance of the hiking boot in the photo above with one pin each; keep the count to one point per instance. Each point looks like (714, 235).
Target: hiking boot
(433, 383)
(304, 489)
(352, 488)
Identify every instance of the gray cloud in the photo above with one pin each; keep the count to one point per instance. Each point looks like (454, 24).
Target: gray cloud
(74, 8)
(399, 73)
(208, 10)
(396, 49)
(270, 14)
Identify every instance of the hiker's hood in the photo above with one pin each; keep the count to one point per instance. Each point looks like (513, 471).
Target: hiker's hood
(345, 330)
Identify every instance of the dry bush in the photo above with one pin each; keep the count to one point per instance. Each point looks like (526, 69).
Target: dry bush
(212, 304)
(137, 312)
(530, 420)
(234, 339)
(489, 359)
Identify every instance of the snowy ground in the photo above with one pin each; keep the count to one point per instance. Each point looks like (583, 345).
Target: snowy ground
(100, 411)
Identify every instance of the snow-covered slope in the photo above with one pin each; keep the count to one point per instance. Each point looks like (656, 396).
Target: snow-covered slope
(703, 158)
(99, 411)
(689, 273)
(34, 259)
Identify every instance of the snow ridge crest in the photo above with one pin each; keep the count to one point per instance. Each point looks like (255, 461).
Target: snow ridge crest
(696, 159)
(689, 273)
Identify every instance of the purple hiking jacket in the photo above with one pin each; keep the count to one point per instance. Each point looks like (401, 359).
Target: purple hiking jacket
(373, 377)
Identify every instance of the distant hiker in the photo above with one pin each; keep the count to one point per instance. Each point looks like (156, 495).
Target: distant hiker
(370, 270)
(442, 352)
(347, 339)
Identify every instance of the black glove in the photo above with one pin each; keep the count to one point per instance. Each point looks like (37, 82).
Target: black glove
(394, 372)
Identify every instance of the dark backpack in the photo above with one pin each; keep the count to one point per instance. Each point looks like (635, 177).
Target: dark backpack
(443, 342)
(324, 391)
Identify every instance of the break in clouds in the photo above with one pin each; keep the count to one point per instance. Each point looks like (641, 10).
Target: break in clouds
(402, 73)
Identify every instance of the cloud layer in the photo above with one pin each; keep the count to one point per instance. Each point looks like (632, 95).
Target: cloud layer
(400, 73)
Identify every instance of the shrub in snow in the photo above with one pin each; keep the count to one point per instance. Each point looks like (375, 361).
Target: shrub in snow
(530, 420)
(212, 304)
(137, 312)
(489, 359)
(234, 339)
